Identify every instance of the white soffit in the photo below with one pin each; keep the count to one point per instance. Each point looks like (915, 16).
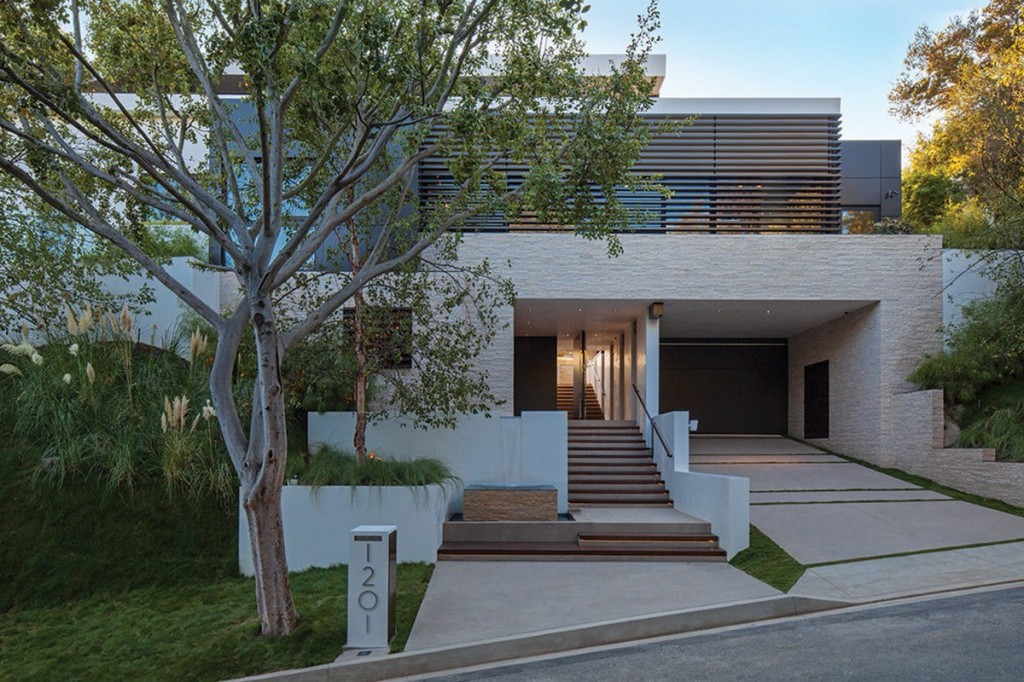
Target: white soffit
(681, 319)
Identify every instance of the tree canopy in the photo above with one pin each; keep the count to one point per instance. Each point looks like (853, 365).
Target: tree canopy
(339, 101)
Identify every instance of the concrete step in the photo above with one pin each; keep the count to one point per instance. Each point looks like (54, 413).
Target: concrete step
(546, 551)
(605, 452)
(605, 423)
(620, 498)
(610, 452)
(610, 460)
(622, 476)
(650, 486)
(588, 441)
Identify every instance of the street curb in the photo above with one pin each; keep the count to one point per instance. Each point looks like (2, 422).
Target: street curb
(556, 641)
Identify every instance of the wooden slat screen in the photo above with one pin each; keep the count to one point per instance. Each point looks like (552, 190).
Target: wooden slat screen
(727, 173)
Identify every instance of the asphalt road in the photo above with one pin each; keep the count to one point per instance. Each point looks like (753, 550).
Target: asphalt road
(969, 637)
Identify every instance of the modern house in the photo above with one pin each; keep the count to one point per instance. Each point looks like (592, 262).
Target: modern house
(748, 302)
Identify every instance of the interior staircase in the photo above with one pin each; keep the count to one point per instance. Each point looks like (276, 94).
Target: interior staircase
(621, 511)
(610, 465)
(565, 401)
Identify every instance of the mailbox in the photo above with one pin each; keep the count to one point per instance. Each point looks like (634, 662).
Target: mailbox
(372, 567)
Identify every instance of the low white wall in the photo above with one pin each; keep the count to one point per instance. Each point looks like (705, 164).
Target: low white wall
(317, 523)
(722, 501)
(530, 449)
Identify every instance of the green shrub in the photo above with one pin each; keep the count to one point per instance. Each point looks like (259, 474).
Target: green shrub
(330, 467)
(1002, 429)
(98, 403)
(986, 349)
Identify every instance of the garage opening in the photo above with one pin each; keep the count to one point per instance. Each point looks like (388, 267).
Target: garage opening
(738, 386)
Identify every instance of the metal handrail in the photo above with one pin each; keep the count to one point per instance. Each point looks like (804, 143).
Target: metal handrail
(653, 425)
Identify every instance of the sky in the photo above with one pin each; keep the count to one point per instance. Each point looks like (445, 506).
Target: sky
(851, 49)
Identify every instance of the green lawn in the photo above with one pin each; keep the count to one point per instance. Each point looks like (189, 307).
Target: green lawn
(116, 586)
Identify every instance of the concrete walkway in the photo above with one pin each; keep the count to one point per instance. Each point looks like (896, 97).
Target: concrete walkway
(823, 509)
(470, 601)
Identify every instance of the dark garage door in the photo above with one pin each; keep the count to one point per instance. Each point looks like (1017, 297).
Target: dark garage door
(729, 385)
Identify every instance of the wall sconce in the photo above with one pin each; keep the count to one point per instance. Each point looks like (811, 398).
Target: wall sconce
(655, 311)
(891, 194)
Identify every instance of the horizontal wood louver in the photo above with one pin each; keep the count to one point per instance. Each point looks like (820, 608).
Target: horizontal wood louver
(727, 173)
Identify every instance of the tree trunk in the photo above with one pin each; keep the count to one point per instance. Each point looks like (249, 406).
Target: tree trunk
(359, 337)
(266, 538)
(263, 476)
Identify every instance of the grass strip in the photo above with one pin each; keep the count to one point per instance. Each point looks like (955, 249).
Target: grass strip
(768, 562)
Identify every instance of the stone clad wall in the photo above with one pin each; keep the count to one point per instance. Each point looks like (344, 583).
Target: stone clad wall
(893, 283)
(920, 451)
(852, 345)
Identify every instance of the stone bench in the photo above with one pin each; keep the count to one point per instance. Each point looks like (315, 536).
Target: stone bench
(509, 502)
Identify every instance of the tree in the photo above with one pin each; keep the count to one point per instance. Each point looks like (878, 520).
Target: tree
(342, 100)
(972, 75)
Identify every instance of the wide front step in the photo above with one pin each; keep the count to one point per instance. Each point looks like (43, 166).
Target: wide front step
(546, 551)
(568, 541)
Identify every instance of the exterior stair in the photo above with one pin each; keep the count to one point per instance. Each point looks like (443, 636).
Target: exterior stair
(609, 464)
(620, 508)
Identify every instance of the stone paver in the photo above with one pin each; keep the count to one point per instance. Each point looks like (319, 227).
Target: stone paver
(914, 574)
(846, 476)
(469, 601)
(798, 496)
(817, 533)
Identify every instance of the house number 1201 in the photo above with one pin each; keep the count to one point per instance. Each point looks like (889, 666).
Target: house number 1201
(370, 574)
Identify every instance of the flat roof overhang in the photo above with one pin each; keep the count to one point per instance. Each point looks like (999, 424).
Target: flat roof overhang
(603, 320)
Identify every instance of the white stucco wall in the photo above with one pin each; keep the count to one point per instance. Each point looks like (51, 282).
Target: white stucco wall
(317, 520)
(530, 449)
(722, 501)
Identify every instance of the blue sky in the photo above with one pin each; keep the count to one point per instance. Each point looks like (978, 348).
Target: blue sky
(852, 49)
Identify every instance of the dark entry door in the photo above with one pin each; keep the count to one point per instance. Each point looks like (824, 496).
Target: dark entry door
(816, 400)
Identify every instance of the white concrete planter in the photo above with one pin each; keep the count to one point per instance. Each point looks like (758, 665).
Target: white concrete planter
(317, 522)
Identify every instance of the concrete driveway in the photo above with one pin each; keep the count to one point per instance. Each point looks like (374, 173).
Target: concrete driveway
(852, 525)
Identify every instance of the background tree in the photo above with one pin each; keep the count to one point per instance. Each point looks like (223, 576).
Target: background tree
(971, 73)
(331, 86)
(45, 264)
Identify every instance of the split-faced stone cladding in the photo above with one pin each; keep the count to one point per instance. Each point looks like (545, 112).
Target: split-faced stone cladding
(895, 282)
